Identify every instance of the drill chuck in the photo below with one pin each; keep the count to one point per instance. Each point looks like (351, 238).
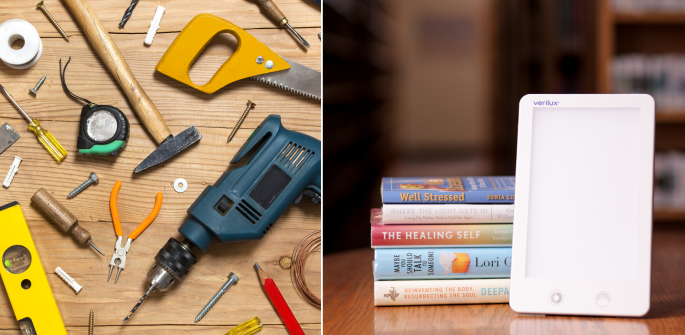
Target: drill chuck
(173, 262)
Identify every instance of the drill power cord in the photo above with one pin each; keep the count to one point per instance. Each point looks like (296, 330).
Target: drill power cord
(308, 245)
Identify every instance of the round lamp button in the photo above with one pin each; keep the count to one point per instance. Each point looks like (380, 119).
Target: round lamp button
(603, 299)
(556, 298)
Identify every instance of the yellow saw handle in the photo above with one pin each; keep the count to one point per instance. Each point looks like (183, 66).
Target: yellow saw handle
(250, 58)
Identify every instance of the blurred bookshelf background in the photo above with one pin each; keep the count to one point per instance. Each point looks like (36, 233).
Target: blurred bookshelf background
(642, 51)
(415, 88)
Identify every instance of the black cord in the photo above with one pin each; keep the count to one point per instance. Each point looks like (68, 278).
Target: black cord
(128, 13)
(64, 84)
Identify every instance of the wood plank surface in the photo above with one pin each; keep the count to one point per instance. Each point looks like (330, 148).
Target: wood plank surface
(200, 330)
(181, 105)
(215, 115)
(244, 13)
(348, 296)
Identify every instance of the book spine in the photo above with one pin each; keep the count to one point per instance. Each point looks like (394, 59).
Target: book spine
(432, 214)
(441, 292)
(477, 235)
(441, 263)
(442, 197)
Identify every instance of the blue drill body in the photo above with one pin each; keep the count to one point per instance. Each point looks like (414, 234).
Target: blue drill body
(280, 166)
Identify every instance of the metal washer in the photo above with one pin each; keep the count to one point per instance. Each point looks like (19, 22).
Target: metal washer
(180, 189)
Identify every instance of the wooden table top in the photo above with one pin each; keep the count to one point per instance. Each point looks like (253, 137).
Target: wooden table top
(348, 303)
(214, 115)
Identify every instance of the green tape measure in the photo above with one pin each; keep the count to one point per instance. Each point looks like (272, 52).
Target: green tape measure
(103, 130)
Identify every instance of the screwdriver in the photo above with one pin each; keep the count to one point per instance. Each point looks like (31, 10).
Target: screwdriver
(248, 327)
(62, 217)
(44, 137)
(270, 8)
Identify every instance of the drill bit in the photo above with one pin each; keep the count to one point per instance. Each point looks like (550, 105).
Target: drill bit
(90, 323)
(128, 13)
(152, 287)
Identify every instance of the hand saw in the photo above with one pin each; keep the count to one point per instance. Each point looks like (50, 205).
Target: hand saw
(250, 59)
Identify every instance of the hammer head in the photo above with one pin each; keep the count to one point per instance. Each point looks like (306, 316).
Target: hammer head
(170, 148)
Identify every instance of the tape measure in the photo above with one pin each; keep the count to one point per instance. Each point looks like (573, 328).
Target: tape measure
(103, 129)
(24, 278)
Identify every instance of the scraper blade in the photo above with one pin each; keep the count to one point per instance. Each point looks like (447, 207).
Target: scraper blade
(7, 137)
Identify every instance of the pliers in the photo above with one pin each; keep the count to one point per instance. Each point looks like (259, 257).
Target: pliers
(119, 252)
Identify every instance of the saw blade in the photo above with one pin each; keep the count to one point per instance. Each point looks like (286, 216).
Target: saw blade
(298, 78)
(7, 137)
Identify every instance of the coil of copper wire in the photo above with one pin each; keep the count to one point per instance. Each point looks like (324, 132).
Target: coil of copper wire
(307, 246)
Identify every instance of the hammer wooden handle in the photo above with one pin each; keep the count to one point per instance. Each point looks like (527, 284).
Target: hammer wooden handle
(109, 54)
(270, 8)
(60, 216)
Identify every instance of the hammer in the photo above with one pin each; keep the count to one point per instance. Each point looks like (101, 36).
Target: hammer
(142, 105)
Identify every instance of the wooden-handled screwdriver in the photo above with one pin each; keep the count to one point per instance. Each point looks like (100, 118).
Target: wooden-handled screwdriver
(62, 218)
(270, 8)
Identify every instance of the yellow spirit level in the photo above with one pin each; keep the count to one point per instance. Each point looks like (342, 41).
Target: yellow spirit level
(24, 278)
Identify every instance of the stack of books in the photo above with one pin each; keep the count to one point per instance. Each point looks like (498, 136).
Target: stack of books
(443, 240)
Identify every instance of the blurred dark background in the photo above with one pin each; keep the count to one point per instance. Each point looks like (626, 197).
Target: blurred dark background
(416, 88)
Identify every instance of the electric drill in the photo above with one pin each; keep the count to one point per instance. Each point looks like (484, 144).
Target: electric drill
(280, 166)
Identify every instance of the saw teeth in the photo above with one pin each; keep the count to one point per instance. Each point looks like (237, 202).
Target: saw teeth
(280, 85)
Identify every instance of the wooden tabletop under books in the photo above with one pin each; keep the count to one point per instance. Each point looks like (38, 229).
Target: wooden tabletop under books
(215, 115)
(348, 303)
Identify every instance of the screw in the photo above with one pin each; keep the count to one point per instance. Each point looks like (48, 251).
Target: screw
(90, 323)
(250, 104)
(260, 60)
(40, 82)
(232, 279)
(92, 180)
(42, 7)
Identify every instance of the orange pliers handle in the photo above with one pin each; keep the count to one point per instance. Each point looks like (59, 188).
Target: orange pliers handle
(113, 208)
(148, 220)
(115, 213)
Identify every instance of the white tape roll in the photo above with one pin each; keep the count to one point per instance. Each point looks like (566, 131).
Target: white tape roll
(29, 54)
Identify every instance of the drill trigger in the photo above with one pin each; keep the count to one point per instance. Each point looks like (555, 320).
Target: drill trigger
(313, 196)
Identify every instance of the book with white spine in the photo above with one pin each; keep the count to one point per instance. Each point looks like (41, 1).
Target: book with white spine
(444, 214)
(441, 292)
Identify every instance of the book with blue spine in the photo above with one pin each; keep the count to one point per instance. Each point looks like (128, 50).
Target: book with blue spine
(442, 263)
(448, 190)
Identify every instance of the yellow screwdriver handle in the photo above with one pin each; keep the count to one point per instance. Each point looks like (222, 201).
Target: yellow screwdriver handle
(48, 141)
(247, 328)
